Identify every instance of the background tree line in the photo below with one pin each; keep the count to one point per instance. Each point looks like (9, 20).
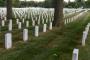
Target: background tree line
(46, 4)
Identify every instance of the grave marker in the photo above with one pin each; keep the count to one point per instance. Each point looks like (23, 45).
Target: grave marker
(8, 40)
(75, 54)
(25, 35)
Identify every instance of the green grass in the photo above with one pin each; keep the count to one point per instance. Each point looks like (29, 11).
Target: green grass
(53, 45)
(84, 53)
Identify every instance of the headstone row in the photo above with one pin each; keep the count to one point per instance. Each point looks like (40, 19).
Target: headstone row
(71, 19)
(85, 34)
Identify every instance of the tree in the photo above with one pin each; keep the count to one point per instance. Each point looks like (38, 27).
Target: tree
(83, 3)
(58, 15)
(15, 3)
(48, 3)
(9, 9)
(2, 2)
(80, 3)
(87, 3)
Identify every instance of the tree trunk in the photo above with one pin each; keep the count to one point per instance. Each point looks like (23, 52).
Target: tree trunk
(9, 9)
(58, 14)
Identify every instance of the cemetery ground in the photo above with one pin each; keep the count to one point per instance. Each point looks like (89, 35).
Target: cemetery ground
(53, 45)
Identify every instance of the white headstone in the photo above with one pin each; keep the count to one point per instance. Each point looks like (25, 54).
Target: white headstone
(65, 22)
(3, 23)
(10, 25)
(36, 31)
(17, 21)
(33, 23)
(19, 25)
(84, 38)
(27, 23)
(87, 29)
(44, 27)
(50, 27)
(38, 21)
(25, 34)
(8, 40)
(23, 20)
(42, 21)
(75, 54)
(5, 18)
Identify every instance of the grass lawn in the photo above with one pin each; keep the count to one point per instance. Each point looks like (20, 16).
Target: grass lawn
(53, 45)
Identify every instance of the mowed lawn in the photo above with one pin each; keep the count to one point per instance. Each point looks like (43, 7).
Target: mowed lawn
(57, 44)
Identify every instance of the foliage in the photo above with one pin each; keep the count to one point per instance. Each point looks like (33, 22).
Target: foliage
(72, 5)
(87, 4)
(15, 3)
(31, 4)
(46, 4)
(2, 2)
